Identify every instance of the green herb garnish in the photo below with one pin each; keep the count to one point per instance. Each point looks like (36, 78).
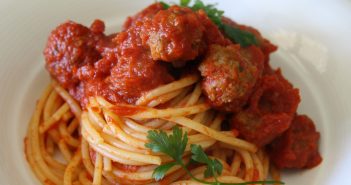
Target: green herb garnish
(213, 166)
(184, 2)
(212, 12)
(244, 38)
(174, 146)
(165, 5)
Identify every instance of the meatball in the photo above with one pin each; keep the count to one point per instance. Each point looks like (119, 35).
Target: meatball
(298, 146)
(147, 12)
(69, 47)
(275, 95)
(260, 129)
(270, 111)
(135, 71)
(213, 34)
(265, 45)
(175, 34)
(131, 77)
(230, 74)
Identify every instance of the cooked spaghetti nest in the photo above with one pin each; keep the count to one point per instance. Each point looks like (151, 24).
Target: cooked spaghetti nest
(105, 144)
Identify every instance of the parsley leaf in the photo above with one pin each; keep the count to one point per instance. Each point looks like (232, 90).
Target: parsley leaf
(244, 38)
(212, 12)
(172, 145)
(165, 5)
(184, 3)
(213, 166)
(161, 170)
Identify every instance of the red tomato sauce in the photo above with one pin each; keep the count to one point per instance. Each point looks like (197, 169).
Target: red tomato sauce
(157, 46)
(298, 147)
(125, 110)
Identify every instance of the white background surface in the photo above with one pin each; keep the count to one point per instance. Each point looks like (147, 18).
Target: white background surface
(315, 54)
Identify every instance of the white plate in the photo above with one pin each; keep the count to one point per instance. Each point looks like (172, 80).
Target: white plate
(314, 40)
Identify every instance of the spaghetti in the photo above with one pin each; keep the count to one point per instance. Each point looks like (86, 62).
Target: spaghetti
(172, 69)
(109, 148)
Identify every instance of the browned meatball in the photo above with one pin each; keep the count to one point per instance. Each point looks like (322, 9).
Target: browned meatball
(147, 12)
(298, 146)
(135, 71)
(260, 129)
(265, 45)
(213, 34)
(69, 47)
(275, 94)
(271, 109)
(229, 75)
(175, 34)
